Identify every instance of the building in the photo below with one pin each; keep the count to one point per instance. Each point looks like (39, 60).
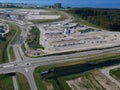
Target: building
(57, 5)
(67, 32)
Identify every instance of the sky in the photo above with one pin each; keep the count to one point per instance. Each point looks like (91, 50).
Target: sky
(80, 3)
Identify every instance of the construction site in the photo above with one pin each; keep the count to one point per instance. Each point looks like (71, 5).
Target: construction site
(4, 29)
(59, 37)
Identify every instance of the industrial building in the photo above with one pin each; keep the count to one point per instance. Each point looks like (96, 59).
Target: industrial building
(4, 29)
(57, 5)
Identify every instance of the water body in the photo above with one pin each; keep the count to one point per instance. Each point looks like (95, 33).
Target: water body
(71, 3)
(75, 69)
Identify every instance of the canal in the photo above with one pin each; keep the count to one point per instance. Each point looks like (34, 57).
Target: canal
(78, 68)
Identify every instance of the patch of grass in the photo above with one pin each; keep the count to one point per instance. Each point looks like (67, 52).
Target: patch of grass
(115, 73)
(42, 83)
(22, 82)
(18, 29)
(36, 21)
(23, 48)
(6, 82)
(84, 22)
(38, 80)
(33, 39)
(12, 55)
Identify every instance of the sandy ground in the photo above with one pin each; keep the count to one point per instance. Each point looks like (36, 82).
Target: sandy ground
(31, 14)
(85, 41)
(84, 83)
(105, 82)
(48, 85)
(106, 73)
(42, 17)
(97, 81)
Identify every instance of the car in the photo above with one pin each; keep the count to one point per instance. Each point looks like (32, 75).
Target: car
(27, 63)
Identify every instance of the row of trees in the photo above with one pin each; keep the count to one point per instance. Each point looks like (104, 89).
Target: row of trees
(107, 18)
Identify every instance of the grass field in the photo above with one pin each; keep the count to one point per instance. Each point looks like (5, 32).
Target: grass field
(22, 82)
(12, 54)
(6, 82)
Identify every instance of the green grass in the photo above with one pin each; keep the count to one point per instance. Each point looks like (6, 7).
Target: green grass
(22, 82)
(38, 80)
(6, 82)
(33, 39)
(36, 21)
(17, 33)
(84, 22)
(116, 73)
(12, 55)
(42, 83)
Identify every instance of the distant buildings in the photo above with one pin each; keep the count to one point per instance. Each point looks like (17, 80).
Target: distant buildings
(57, 5)
(23, 5)
(2, 29)
(18, 5)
